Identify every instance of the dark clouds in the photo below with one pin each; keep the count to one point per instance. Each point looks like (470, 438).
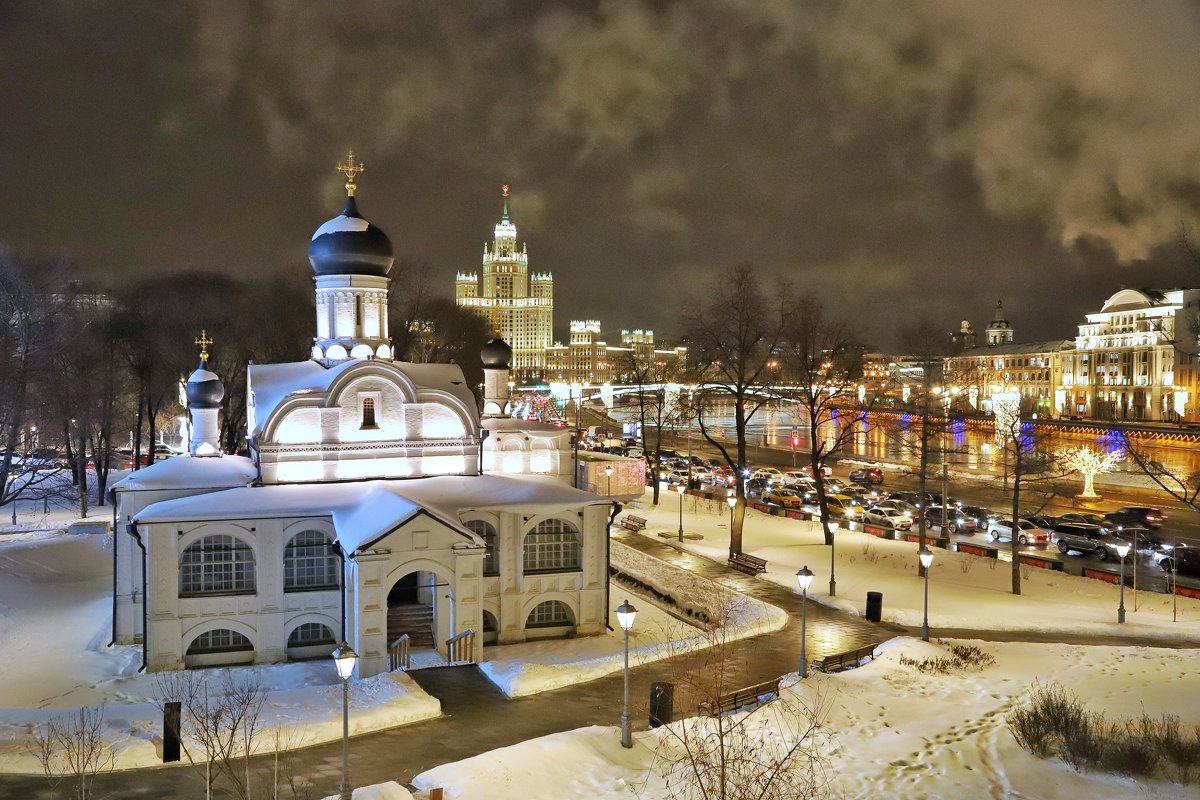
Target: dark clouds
(900, 157)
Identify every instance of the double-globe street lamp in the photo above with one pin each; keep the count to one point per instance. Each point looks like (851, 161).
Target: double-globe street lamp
(804, 578)
(1122, 551)
(345, 658)
(926, 556)
(626, 613)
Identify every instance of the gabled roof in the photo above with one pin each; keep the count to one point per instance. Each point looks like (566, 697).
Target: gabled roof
(190, 472)
(362, 512)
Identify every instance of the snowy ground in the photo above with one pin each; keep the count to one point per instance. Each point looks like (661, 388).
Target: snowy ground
(896, 732)
(965, 592)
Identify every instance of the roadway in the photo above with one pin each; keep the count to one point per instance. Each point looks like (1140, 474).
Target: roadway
(1182, 522)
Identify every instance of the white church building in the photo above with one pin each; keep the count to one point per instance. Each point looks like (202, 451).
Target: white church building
(377, 503)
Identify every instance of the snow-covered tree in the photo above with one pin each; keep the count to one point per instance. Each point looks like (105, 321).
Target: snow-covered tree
(1089, 463)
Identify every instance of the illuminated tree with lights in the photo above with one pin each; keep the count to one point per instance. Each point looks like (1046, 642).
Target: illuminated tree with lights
(1089, 463)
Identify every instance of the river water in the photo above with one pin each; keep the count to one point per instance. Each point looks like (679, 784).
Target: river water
(895, 438)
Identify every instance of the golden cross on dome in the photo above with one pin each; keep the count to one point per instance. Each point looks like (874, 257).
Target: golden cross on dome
(204, 342)
(351, 169)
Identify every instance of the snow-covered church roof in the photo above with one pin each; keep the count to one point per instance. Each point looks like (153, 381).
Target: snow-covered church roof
(274, 383)
(190, 472)
(362, 512)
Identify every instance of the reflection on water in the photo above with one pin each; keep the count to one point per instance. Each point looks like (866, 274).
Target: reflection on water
(890, 437)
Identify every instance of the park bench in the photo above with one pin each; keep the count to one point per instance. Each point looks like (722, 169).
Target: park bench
(751, 565)
(630, 522)
(846, 660)
(732, 701)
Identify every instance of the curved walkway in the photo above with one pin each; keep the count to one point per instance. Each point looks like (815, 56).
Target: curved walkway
(477, 717)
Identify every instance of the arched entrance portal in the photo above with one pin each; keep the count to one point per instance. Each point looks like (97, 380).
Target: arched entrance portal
(420, 604)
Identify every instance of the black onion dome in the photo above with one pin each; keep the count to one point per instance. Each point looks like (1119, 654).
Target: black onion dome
(349, 245)
(496, 354)
(204, 389)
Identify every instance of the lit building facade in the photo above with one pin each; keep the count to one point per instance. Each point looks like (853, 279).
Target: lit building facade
(1135, 358)
(588, 359)
(518, 305)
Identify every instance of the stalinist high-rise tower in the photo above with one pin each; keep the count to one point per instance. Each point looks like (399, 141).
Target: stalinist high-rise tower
(518, 305)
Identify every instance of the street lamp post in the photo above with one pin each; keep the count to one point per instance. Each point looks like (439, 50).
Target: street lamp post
(732, 500)
(345, 658)
(1122, 551)
(804, 577)
(832, 527)
(608, 474)
(625, 616)
(926, 556)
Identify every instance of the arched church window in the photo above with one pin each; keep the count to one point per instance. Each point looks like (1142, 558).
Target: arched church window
(218, 564)
(220, 640)
(550, 614)
(309, 562)
(552, 546)
(368, 413)
(487, 532)
(310, 634)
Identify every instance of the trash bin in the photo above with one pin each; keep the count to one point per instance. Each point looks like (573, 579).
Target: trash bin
(662, 703)
(874, 606)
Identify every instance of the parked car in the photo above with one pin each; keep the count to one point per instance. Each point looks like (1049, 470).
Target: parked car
(888, 517)
(826, 471)
(769, 473)
(1001, 530)
(907, 509)
(867, 475)
(1042, 520)
(956, 520)
(1084, 538)
(1085, 519)
(1183, 559)
(981, 515)
(1145, 516)
(783, 497)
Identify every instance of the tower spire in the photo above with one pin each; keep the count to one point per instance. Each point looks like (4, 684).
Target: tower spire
(351, 169)
(504, 194)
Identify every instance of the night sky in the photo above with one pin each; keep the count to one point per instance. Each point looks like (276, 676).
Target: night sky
(897, 158)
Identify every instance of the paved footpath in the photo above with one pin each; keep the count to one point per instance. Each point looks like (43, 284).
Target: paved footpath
(477, 717)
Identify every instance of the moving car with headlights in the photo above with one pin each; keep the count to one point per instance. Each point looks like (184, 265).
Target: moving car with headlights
(677, 477)
(1001, 530)
(783, 497)
(1140, 516)
(1182, 559)
(1084, 538)
(981, 516)
(795, 477)
(826, 471)
(867, 475)
(769, 473)
(1085, 519)
(956, 520)
(907, 509)
(841, 505)
(888, 518)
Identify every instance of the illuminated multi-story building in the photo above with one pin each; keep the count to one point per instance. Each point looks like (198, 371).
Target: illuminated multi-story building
(518, 305)
(587, 359)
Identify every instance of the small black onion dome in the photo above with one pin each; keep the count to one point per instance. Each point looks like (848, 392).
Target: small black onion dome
(496, 354)
(349, 245)
(204, 389)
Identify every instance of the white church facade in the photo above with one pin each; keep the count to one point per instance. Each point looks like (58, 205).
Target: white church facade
(377, 503)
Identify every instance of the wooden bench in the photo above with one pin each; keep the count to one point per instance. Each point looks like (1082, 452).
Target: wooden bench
(846, 660)
(630, 522)
(751, 565)
(732, 701)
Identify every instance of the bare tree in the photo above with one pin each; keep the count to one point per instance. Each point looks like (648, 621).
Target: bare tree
(823, 363)
(74, 745)
(772, 750)
(657, 408)
(219, 724)
(734, 335)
